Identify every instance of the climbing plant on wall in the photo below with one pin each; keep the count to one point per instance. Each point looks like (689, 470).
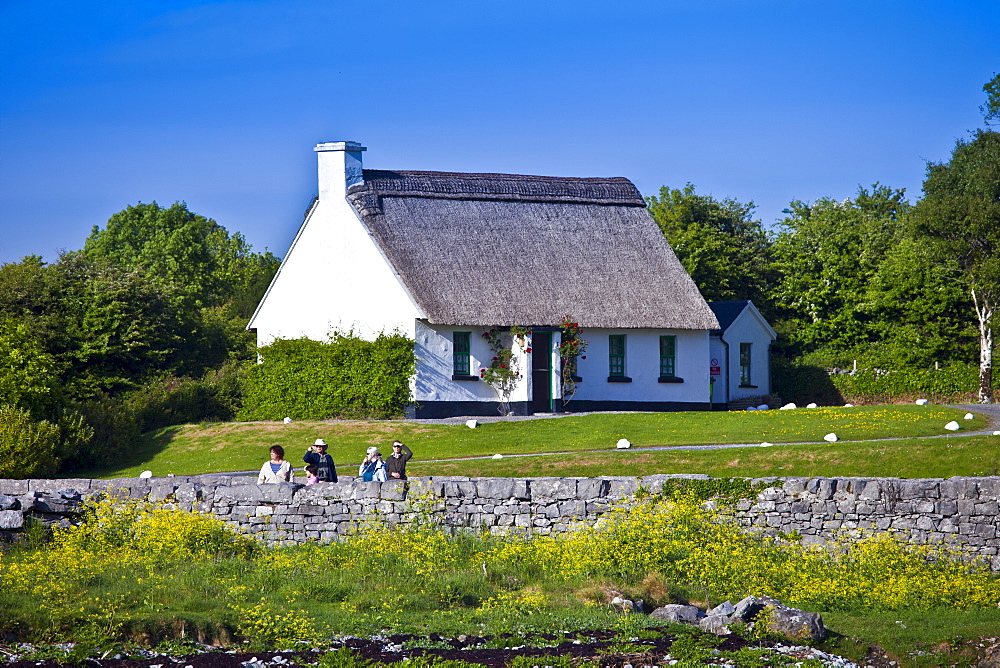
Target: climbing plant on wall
(571, 347)
(504, 371)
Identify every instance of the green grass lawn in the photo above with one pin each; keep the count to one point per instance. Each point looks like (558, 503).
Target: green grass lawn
(907, 458)
(912, 637)
(194, 449)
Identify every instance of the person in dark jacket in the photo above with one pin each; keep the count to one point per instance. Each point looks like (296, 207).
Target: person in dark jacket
(316, 455)
(395, 464)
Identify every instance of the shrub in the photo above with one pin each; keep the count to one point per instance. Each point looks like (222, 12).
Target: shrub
(952, 383)
(803, 383)
(115, 429)
(28, 448)
(127, 527)
(164, 402)
(345, 377)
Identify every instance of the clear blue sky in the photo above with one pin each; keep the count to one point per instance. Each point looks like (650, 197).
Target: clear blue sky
(105, 104)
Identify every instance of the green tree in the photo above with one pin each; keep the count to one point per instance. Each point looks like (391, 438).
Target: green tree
(958, 219)
(920, 313)
(130, 329)
(28, 377)
(169, 246)
(212, 277)
(724, 249)
(991, 109)
(825, 256)
(194, 257)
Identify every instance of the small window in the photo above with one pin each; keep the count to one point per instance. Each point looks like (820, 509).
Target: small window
(460, 353)
(745, 357)
(668, 356)
(616, 355)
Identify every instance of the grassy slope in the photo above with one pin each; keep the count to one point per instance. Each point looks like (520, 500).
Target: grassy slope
(193, 449)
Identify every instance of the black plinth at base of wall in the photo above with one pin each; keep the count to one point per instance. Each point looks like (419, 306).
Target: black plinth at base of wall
(432, 410)
(427, 410)
(584, 406)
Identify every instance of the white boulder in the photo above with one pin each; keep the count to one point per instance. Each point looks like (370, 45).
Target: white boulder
(765, 444)
(969, 416)
(497, 456)
(788, 407)
(830, 438)
(952, 426)
(287, 420)
(472, 424)
(623, 444)
(848, 405)
(146, 474)
(811, 406)
(922, 402)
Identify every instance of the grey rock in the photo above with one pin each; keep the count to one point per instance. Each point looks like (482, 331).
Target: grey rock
(722, 609)
(679, 614)
(717, 624)
(495, 488)
(9, 502)
(746, 610)
(190, 492)
(795, 624)
(622, 486)
(394, 490)
(560, 489)
(11, 519)
(54, 503)
(14, 487)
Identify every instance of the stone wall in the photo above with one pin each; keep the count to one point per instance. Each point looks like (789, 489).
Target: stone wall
(956, 511)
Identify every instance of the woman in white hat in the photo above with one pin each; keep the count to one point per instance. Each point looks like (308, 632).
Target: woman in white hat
(316, 455)
(373, 467)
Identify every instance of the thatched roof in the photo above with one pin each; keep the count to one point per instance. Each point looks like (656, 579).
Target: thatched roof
(505, 249)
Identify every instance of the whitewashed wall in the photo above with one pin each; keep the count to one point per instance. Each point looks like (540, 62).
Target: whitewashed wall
(333, 276)
(642, 365)
(717, 351)
(434, 350)
(749, 327)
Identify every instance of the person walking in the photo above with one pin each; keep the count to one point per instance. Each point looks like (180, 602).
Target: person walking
(373, 466)
(316, 455)
(277, 469)
(396, 464)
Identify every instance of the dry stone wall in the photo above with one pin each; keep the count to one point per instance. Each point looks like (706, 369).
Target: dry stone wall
(955, 511)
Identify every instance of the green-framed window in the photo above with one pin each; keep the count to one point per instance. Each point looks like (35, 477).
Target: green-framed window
(746, 350)
(668, 356)
(616, 355)
(461, 351)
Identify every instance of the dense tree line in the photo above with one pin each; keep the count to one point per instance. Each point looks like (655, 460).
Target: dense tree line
(873, 278)
(143, 327)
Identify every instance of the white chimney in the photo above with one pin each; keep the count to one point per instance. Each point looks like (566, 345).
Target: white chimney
(339, 168)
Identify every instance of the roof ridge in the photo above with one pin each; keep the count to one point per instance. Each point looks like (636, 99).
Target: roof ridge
(617, 190)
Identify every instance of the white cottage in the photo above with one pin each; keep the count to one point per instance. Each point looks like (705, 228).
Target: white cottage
(442, 257)
(741, 354)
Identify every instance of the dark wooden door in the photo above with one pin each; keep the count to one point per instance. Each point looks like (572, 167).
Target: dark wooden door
(541, 372)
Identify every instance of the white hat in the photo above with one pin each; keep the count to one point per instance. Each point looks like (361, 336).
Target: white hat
(320, 441)
(372, 450)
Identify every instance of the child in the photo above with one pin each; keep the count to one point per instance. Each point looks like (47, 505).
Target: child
(311, 477)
